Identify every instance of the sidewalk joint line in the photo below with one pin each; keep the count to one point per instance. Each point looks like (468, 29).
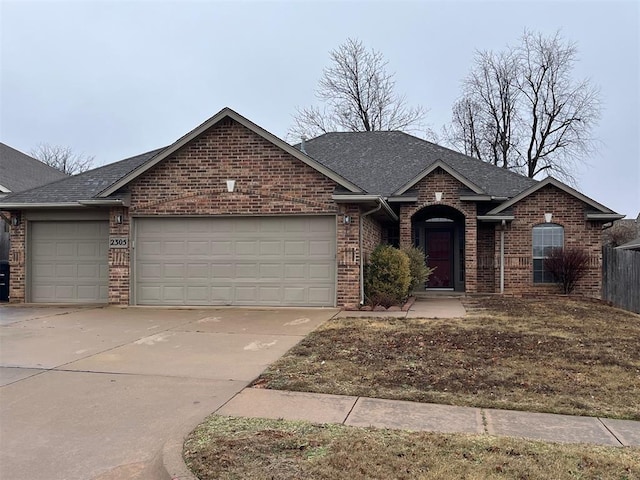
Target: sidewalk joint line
(611, 432)
(234, 396)
(344, 422)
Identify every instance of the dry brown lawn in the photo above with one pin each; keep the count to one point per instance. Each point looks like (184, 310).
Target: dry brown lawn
(251, 449)
(546, 355)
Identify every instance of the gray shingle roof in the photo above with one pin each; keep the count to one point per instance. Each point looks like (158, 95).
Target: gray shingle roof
(383, 162)
(83, 186)
(19, 172)
(378, 162)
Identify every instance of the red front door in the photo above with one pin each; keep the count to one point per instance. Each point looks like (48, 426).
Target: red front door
(439, 249)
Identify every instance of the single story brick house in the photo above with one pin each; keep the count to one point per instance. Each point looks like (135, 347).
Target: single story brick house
(229, 214)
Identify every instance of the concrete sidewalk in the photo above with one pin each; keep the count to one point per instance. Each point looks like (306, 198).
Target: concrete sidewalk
(396, 414)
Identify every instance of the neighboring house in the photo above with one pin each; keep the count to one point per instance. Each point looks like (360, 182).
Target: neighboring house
(634, 241)
(631, 236)
(631, 245)
(19, 172)
(231, 214)
(621, 231)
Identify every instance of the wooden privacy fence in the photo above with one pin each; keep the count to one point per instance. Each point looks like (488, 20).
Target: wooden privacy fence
(621, 278)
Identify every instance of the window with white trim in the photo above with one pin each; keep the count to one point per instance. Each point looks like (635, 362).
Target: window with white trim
(546, 237)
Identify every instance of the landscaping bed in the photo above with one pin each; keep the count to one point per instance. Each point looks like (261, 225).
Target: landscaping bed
(553, 355)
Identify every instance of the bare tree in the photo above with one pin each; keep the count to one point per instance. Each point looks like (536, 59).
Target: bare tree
(358, 95)
(485, 117)
(62, 158)
(521, 109)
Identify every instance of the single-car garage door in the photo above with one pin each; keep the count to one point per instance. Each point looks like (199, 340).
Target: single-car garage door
(69, 262)
(236, 261)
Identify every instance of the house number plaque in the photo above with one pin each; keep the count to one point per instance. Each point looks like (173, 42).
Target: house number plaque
(118, 242)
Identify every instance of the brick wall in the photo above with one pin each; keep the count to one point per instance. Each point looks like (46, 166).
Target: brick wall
(441, 181)
(371, 236)
(268, 181)
(569, 212)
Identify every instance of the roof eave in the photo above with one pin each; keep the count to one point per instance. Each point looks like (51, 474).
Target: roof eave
(370, 200)
(632, 245)
(607, 217)
(482, 198)
(27, 206)
(227, 112)
(403, 199)
(105, 203)
(495, 218)
(111, 202)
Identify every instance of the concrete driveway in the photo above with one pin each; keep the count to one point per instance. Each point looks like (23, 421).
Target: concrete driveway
(94, 392)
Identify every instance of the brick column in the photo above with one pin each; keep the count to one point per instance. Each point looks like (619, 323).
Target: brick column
(348, 256)
(470, 253)
(17, 267)
(119, 258)
(406, 239)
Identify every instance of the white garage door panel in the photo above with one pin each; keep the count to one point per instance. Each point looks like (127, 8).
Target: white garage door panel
(68, 261)
(236, 261)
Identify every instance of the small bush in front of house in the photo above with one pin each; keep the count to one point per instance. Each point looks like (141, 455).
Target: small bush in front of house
(567, 266)
(383, 299)
(417, 267)
(388, 276)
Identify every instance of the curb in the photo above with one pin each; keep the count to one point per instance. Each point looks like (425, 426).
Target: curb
(173, 465)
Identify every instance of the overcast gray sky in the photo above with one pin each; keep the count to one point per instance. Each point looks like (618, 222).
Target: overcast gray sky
(118, 78)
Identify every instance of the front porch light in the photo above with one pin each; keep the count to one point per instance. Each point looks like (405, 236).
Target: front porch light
(438, 196)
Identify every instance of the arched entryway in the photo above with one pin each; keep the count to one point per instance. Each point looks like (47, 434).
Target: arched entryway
(439, 231)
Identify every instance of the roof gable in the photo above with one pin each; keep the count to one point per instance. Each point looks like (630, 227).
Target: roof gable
(556, 183)
(196, 132)
(439, 164)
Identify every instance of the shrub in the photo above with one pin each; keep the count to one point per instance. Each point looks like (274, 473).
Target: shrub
(417, 267)
(387, 277)
(567, 266)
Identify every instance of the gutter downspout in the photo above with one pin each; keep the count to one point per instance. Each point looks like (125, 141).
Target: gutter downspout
(504, 223)
(366, 214)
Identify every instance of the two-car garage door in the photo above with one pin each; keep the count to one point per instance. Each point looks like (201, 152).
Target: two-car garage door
(235, 261)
